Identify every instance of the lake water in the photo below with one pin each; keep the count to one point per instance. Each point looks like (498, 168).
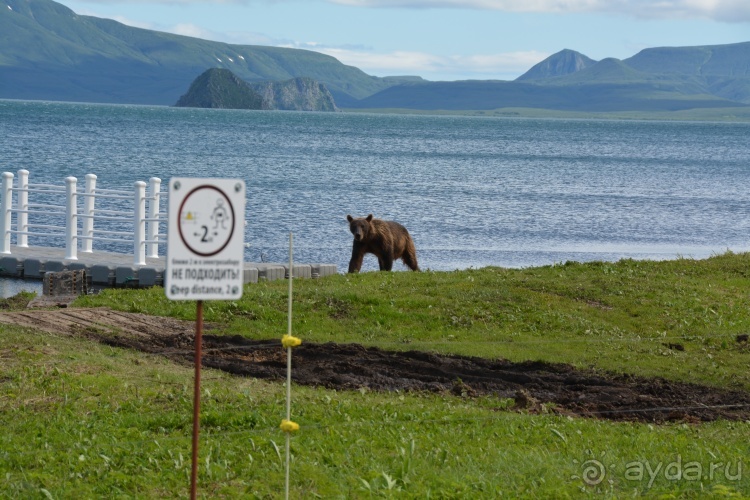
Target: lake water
(473, 191)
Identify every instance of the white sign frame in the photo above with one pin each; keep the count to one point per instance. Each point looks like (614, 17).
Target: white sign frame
(205, 239)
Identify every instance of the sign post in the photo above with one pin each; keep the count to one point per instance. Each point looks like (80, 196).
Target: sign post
(205, 259)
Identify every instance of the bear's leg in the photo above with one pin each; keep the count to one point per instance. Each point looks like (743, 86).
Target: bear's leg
(410, 261)
(410, 256)
(358, 255)
(386, 262)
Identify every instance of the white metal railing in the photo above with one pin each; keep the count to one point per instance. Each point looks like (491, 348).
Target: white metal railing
(137, 211)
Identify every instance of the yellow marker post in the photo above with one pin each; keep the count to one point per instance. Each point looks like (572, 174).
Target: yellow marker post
(289, 342)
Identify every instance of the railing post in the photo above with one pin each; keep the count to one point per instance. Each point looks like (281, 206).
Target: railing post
(139, 236)
(22, 216)
(87, 229)
(71, 219)
(5, 208)
(152, 226)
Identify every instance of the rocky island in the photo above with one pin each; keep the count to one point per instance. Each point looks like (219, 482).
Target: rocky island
(220, 88)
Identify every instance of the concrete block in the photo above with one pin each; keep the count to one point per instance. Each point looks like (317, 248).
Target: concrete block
(33, 269)
(300, 271)
(320, 270)
(9, 266)
(126, 276)
(76, 266)
(102, 275)
(271, 272)
(54, 266)
(250, 275)
(147, 276)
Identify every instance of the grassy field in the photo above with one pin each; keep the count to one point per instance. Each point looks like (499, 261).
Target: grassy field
(86, 420)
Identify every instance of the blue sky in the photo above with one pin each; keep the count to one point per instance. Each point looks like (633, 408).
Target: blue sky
(441, 39)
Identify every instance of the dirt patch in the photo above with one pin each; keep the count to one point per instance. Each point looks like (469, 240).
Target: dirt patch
(535, 386)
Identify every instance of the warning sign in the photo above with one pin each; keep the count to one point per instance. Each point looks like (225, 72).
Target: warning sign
(205, 240)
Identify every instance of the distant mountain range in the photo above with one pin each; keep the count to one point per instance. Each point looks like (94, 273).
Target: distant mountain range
(48, 52)
(659, 79)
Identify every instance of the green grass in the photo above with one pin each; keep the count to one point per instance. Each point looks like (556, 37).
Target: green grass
(84, 420)
(616, 316)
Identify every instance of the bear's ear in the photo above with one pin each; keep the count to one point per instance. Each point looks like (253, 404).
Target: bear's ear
(349, 218)
(369, 218)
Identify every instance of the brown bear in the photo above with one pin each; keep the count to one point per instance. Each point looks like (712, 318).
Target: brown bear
(388, 240)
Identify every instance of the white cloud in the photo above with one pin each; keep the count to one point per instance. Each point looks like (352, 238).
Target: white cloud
(504, 66)
(192, 30)
(245, 38)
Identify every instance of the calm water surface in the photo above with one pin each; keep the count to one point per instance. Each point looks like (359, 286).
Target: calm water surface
(473, 191)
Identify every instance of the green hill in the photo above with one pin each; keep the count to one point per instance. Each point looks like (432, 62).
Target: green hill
(723, 70)
(562, 63)
(608, 70)
(50, 52)
(487, 95)
(729, 61)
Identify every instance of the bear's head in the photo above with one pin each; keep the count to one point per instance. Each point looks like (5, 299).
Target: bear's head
(359, 227)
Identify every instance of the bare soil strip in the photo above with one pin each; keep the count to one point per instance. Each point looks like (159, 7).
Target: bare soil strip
(535, 386)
